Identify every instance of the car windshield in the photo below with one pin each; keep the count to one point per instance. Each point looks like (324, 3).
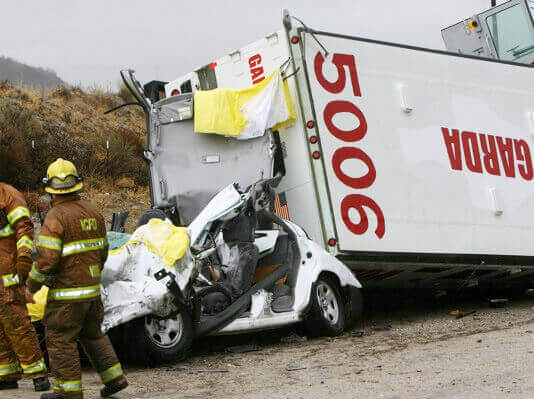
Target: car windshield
(511, 32)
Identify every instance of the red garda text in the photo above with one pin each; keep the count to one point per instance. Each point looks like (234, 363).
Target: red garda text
(486, 153)
(256, 69)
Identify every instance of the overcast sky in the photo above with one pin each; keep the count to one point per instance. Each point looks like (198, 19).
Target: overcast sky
(89, 41)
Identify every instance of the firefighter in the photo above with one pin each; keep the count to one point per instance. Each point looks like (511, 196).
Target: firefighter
(71, 251)
(20, 354)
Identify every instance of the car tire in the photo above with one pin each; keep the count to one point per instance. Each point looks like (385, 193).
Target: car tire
(158, 341)
(150, 214)
(326, 315)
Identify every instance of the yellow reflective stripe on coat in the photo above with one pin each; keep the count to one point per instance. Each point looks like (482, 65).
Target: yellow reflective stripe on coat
(18, 213)
(68, 386)
(65, 294)
(78, 247)
(26, 242)
(36, 275)
(11, 368)
(10, 279)
(48, 242)
(111, 374)
(7, 231)
(35, 367)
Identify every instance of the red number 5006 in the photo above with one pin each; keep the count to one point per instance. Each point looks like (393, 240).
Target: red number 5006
(357, 202)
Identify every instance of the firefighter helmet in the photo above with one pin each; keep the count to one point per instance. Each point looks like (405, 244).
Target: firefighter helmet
(62, 178)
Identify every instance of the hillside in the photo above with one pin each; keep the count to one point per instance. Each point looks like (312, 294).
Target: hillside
(19, 73)
(70, 123)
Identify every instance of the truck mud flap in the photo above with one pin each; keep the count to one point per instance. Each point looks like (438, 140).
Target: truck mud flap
(353, 306)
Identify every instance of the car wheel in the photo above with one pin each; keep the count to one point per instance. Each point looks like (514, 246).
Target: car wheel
(326, 315)
(163, 340)
(151, 214)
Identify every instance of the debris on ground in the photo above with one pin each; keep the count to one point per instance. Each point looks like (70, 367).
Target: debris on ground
(498, 302)
(459, 313)
(213, 371)
(356, 333)
(293, 338)
(243, 348)
(382, 328)
(125, 182)
(295, 367)
(178, 368)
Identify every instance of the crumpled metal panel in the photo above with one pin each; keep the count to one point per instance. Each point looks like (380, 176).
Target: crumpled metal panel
(129, 289)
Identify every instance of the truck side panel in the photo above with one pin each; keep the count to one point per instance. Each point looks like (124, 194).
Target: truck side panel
(424, 152)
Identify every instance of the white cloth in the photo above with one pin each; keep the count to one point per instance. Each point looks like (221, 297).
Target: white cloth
(265, 110)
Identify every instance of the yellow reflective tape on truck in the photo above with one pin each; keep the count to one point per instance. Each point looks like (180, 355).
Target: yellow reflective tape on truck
(78, 247)
(48, 242)
(6, 231)
(10, 279)
(66, 294)
(26, 242)
(18, 213)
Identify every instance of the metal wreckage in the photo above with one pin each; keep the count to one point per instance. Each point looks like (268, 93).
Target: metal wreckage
(308, 158)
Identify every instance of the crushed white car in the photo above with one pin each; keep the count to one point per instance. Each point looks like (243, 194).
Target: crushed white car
(164, 307)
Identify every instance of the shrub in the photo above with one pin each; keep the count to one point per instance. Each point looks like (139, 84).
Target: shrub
(18, 127)
(125, 93)
(120, 159)
(61, 92)
(33, 134)
(5, 84)
(101, 98)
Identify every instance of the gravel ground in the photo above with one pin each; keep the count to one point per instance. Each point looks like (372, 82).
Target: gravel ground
(410, 348)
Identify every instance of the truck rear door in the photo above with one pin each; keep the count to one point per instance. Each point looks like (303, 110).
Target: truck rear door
(186, 168)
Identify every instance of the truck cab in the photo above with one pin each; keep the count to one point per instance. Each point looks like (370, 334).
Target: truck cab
(504, 32)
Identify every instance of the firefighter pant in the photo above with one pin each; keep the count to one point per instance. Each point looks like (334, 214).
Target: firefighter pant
(20, 354)
(67, 324)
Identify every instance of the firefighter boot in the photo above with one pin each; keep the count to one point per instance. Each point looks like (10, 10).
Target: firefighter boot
(113, 387)
(8, 385)
(51, 396)
(41, 384)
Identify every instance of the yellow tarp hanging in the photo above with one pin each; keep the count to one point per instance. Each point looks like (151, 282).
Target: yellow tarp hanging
(245, 113)
(36, 310)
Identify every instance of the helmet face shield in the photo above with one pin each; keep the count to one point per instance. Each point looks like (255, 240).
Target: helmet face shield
(61, 184)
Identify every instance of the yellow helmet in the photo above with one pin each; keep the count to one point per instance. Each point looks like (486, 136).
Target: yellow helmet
(62, 178)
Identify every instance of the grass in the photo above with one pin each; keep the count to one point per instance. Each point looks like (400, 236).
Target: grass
(35, 129)
(68, 122)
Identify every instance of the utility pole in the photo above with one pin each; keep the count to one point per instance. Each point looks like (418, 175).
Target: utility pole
(493, 3)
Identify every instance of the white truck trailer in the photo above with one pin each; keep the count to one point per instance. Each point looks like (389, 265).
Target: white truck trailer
(413, 166)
